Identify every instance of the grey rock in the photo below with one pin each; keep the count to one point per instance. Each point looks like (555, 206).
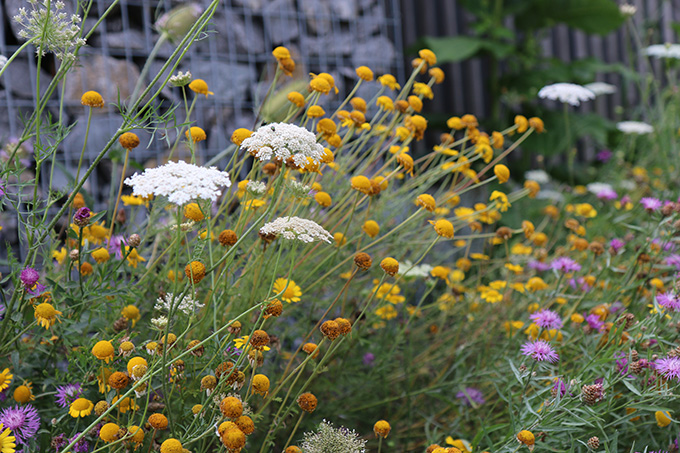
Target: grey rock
(366, 4)
(331, 45)
(344, 9)
(317, 13)
(370, 22)
(232, 34)
(20, 77)
(253, 5)
(130, 39)
(10, 115)
(103, 74)
(280, 20)
(229, 81)
(377, 53)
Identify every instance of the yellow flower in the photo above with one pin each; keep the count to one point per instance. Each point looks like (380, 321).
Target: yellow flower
(103, 350)
(516, 268)
(5, 379)
(296, 99)
(527, 438)
(60, 255)
(520, 249)
(364, 73)
(133, 200)
(512, 326)
(7, 442)
(501, 200)
(444, 228)
(491, 296)
(196, 134)
(585, 210)
(423, 89)
(23, 394)
(463, 445)
(663, 419)
(239, 343)
(131, 313)
(385, 103)
(389, 81)
(125, 404)
(536, 284)
(91, 99)
(287, 290)
(133, 258)
(46, 315)
(428, 56)
(371, 228)
(388, 291)
(502, 173)
(253, 204)
(479, 256)
(200, 86)
(101, 255)
(81, 407)
(387, 312)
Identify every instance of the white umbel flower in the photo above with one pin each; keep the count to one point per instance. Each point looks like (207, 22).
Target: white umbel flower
(568, 93)
(635, 127)
(600, 88)
(187, 305)
(256, 188)
(180, 182)
(328, 439)
(3, 61)
(539, 176)
(295, 228)
(281, 141)
(627, 10)
(667, 50)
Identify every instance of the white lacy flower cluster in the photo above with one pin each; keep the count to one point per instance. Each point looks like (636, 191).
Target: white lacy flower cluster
(53, 30)
(180, 182)
(180, 79)
(635, 127)
(663, 51)
(329, 439)
(600, 88)
(257, 188)
(295, 228)
(569, 93)
(188, 305)
(283, 140)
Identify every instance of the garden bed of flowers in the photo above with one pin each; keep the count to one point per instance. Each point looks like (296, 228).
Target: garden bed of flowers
(327, 290)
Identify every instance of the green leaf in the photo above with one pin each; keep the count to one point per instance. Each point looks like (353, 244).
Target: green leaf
(591, 16)
(631, 387)
(452, 49)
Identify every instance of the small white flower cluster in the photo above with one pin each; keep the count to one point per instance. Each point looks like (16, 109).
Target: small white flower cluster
(187, 305)
(180, 79)
(53, 30)
(407, 270)
(295, 228)
(160, 323)
(627, 10)
(256, 188)
(180, 182)
(283, 140)
(3, 61)
(298, 189)
(635, 127)
(328, 439)
(568, 93)
(598, 187)
(663, 51)
(600, 88)
(540, 176)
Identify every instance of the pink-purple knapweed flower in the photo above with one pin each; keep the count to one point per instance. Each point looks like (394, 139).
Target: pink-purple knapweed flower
(82, 216)
(471, 395)
(24, 421)
(540, 350)
(607, 194)
(616, 244)
(564, 264)
(604, 155)
(29, 277)
(651, 204)
(547, 319)
(68, 393)
(669, 300)
(668, 367)
(539, 266)
(594, 322)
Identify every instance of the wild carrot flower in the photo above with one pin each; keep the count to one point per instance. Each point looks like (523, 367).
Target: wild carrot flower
(296, 228)
(635, 127)
(540, 350)
(328, 439)
(547, 319)
(568, 93)
(187, 305)
(283, 141)
(180, 182)
(24, 421)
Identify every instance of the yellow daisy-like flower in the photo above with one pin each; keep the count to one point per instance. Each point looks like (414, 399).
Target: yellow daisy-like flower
(46, 315)
(131, 313)
(387, 312)
(200, 86)
(239, 343)
(5, 379)
(7, 442)
(133, 258)
(134, 200)
(60, 255)
(81, 407)
(125, 404)
(287, 290)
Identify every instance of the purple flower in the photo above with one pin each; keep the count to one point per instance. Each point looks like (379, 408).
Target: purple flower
(115, 243)
(560, 387)
(621, 362)
(673, 260)
(2, 190)
(651, 204)
(368, 359)
(669, 367)
(604, 155)
(59, 442)
(547, 319)
(81, 446)
(594, 322)
(617, 244)
(68, 393)
(82, 216)
(471, 395)
(540, 350)
(540, 266)
(668, 300)
(37, 290)
(607, 194)
(29, 277)
(24, 421)
(2, 312)
(565, 264)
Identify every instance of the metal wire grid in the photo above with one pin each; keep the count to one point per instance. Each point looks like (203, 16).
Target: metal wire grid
(218, 114)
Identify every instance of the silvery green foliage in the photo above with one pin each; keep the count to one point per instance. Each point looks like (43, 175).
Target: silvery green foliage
(51, 28)
(327, 439)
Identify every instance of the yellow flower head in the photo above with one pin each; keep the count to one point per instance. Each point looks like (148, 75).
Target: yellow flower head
(389, 81)
(46, 315)
(364, 73)
(428, 56)
(92, 99)
(200, 86)
(281, 53)
(287, 290)
(239, 135)
(5, 379)
(7, 442)
(296, 99)
(196, 134)
(371, 228)
(502, 173)
(81, 407)
(101, 255)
